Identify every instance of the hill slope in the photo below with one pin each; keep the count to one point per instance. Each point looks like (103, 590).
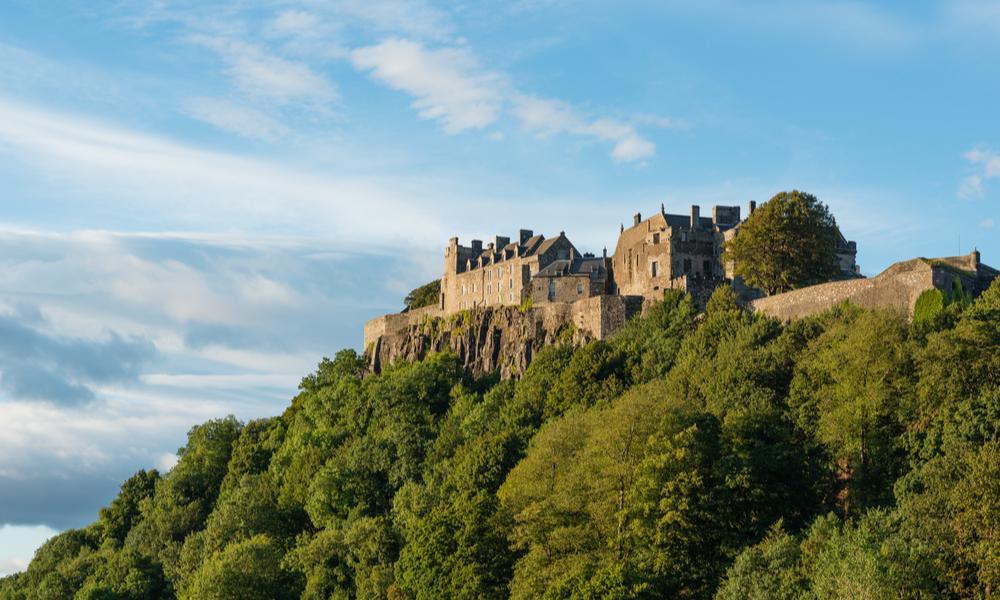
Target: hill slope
(728, 456)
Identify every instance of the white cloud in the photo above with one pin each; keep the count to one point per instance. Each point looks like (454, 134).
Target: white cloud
(241, 120)
(262, 74)
(448, 84)
(987, 223)
(194, 187)
(548, 117)
(987, 163)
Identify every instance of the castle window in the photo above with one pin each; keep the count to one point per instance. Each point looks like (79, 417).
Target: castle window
(707, 267)
(654, 268)
(656, 238)
(552, 289)
(488, 290)
(579, 288)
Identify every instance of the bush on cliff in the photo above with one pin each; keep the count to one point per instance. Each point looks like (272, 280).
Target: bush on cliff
(425, 295)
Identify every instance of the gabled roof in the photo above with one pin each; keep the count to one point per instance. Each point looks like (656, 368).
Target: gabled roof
(578, 267)
(531, 245)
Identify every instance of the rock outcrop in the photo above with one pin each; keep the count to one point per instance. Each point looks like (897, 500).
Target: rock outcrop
(501, 339)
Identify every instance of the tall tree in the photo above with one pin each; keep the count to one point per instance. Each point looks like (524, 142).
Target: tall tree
(788, 243)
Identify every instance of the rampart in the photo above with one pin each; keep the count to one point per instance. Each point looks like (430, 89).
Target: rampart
(896, 288)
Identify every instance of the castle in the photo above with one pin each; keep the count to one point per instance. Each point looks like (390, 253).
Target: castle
(664, 251)
(501, 302)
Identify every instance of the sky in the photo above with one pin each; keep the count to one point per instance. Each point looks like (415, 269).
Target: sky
(200, 200)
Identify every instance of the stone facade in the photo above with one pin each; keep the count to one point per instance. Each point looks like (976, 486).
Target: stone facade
(669, 251)
(500, 273)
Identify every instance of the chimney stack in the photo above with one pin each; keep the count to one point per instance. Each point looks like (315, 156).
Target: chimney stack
(523, 235)
(636, 219)
(695, 216)
(753, 207)
(477, 245)
(500, 241)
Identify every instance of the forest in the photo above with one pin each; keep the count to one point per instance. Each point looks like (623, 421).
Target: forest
(853, 454)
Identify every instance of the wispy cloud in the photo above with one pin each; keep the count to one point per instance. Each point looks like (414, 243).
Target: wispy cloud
(196, 186)
(262, 74)
(448, 84)
(235, 118)
(547, 117)
(987, 165)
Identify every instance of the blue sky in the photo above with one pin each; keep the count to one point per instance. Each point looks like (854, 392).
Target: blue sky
(200, 200)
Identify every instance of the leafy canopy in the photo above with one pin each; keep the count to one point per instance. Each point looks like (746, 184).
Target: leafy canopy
(788, 243)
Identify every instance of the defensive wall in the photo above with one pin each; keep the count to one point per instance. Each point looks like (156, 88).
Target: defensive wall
(896, 288)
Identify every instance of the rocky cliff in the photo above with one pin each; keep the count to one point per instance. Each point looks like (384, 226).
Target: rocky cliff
(502, 339)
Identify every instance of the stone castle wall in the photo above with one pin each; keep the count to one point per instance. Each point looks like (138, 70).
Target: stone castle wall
(896, 288)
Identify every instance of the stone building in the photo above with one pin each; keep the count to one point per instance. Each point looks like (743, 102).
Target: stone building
(664, 251)
(501, 273)
(668, 251)
(572, 279)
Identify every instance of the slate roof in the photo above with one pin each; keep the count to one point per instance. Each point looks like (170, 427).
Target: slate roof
(578, 267)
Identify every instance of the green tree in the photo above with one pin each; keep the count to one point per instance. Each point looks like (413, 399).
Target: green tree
(244, 571)
(769, 570)
(425, 295)
(852, 391)
(651, 341)
(118, 518)
(787, 243)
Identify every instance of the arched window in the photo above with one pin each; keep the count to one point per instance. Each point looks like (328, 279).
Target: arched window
(552, 289)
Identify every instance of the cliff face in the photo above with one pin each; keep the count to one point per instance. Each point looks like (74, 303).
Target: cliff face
(499, 339)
